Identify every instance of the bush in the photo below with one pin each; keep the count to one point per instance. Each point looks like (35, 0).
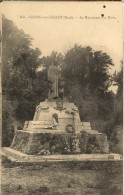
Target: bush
(116, 140)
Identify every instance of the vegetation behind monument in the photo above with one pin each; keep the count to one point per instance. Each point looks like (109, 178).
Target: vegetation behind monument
(86, 75)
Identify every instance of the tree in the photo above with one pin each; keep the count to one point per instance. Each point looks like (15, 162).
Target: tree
(14, 42)
(20, 61)
(116, 137)
(88, 72)
(118, 80)
(48, 60)
(88, 68)
(19, 74)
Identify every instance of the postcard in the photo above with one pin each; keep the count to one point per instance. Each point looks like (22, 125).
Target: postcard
(62, 91)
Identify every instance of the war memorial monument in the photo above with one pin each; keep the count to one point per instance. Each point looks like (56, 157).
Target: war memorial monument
(56, 132)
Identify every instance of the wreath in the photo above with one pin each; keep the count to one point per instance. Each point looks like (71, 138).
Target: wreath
(70, 128)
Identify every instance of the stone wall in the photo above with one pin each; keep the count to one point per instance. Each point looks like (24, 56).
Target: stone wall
(34, 143)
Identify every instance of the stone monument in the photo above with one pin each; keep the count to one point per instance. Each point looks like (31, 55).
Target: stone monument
(56, 82)
(56, 131)
(56, 127)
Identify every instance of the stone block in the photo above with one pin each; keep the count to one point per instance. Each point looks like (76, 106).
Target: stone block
(86, 124)
(86, 128)
(51, 142)
(94, 143)
(17, 156)
(90, 131)
(44, 119)
(25, 125)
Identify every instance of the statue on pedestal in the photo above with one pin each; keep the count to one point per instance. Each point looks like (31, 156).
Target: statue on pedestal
(56, 83)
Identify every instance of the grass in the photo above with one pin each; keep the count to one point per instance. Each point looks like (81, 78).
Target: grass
(95, 178)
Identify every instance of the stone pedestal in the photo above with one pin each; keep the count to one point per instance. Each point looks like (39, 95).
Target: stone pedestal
(58, 131)
(44, 120)
(37, 143)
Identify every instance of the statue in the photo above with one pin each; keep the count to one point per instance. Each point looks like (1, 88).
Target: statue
(56, 82)
(61, 88)
(53, 77)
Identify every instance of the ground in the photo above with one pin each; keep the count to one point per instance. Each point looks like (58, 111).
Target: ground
(70, 178)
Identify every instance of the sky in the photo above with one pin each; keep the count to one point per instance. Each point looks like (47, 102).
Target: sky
(59, 25)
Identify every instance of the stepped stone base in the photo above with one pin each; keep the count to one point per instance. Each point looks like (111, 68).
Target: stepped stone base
(48, 116)
(56, 130)
(17, 156)
(57, 142)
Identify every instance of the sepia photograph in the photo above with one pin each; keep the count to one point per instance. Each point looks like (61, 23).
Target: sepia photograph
(62, 98)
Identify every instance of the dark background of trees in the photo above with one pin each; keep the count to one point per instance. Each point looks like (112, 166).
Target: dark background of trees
(86, 75)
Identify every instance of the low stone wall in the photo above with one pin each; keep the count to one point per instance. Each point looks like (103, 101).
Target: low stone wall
(33, 143)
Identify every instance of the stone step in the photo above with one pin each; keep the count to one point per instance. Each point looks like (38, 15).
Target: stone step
(40, 126)
(13, 153)
(41, 131)
(21, 157)
(44, 122)
(47, 124)
(90, 131)
(59, 127)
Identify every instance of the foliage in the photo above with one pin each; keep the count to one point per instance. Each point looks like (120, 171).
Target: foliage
(116, 141)
(89, 68)
(54, 56)
(118, 79)
(21, 82)
(19, 71)
(88, 72)
(119, 98)
(8, 122)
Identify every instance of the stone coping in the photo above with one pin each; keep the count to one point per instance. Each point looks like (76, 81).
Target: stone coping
(57, 131)
(21, 157)
(45, 131)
